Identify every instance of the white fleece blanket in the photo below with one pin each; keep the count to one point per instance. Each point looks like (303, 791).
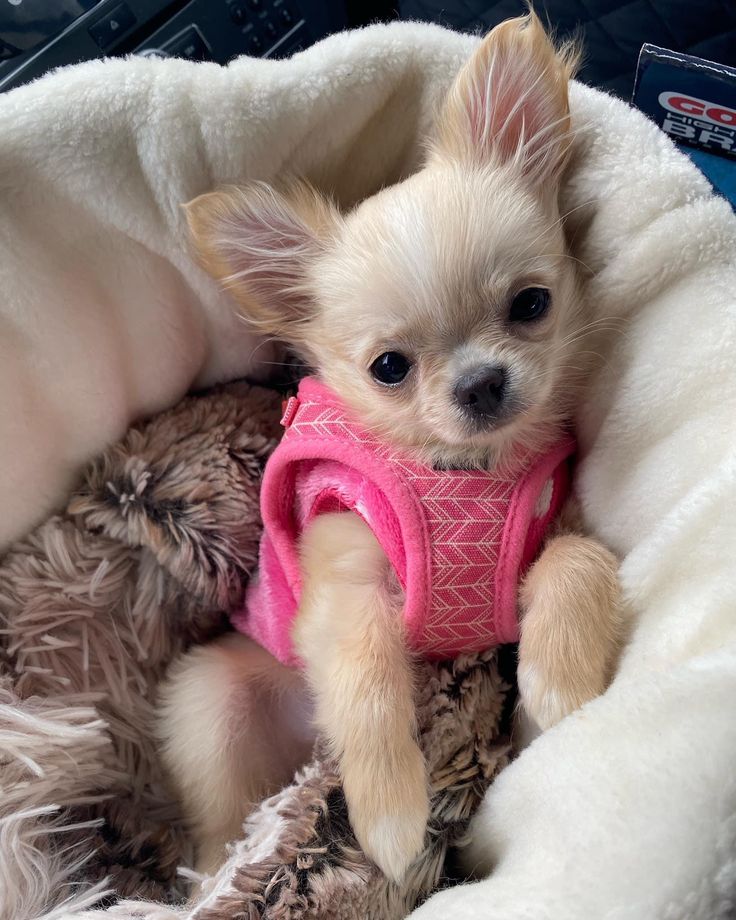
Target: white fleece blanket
(626, 810)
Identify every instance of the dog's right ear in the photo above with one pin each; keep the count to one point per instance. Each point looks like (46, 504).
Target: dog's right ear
(259, 243)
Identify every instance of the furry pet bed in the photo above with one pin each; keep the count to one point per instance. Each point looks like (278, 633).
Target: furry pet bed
(626, 808)
(149, 554)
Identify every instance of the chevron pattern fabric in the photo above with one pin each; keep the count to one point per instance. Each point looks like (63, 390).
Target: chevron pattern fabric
(465, 515)
(457, 539)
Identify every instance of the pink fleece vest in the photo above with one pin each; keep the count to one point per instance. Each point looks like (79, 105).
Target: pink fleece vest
(459, 540)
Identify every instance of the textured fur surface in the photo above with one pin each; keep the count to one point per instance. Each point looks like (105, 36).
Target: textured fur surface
(148, 554)
(300, 860)
(152, 550)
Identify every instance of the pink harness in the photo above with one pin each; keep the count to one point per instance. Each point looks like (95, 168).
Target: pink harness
(459, 540)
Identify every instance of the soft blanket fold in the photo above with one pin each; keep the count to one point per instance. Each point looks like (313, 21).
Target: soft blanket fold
(626, 809)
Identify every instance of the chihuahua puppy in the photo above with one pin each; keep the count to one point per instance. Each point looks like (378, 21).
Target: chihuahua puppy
(446, 312)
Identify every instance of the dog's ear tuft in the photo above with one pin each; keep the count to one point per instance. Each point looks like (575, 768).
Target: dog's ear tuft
(509, 103)
(259, 243)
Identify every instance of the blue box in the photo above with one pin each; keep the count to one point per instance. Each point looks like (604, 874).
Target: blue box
(694, 102)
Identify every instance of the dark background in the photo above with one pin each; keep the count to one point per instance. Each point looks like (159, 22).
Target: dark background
(36, 35)
(613, 31)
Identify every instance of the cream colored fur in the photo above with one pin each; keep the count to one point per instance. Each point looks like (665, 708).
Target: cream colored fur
(349, 634)
(572, 628)
(428, 268)
(231, 733)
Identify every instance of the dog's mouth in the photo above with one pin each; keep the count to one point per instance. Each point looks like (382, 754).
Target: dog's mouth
(479, 424)
(481, 428)
(480, 442)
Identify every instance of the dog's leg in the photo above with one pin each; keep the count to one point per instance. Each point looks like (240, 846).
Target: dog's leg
(349, 634)
(572, 627)
(231, 732)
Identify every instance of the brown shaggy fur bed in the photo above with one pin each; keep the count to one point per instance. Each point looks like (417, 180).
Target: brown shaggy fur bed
(148, 557)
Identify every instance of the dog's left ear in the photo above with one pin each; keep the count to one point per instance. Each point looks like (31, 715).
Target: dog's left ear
(509, 103)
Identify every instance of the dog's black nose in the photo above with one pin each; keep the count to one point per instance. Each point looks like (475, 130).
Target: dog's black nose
(481, 392)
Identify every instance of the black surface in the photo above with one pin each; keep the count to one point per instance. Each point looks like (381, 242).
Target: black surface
(189, 45)
(26, 24)
(40, 34)
(52, 33)
(111, 27)
(613, 31)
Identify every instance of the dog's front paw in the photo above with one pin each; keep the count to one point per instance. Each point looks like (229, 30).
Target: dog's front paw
(394, 841)
(389, 810)
(548, 697)
(571, 628)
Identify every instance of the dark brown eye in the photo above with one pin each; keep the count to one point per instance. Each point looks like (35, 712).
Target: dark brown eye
(529, 305)
(390, 368)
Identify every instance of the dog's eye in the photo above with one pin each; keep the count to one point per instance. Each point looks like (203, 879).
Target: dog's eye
(529, 304)
(390, 368)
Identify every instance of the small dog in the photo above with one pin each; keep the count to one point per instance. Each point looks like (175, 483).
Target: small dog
(446, 312)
